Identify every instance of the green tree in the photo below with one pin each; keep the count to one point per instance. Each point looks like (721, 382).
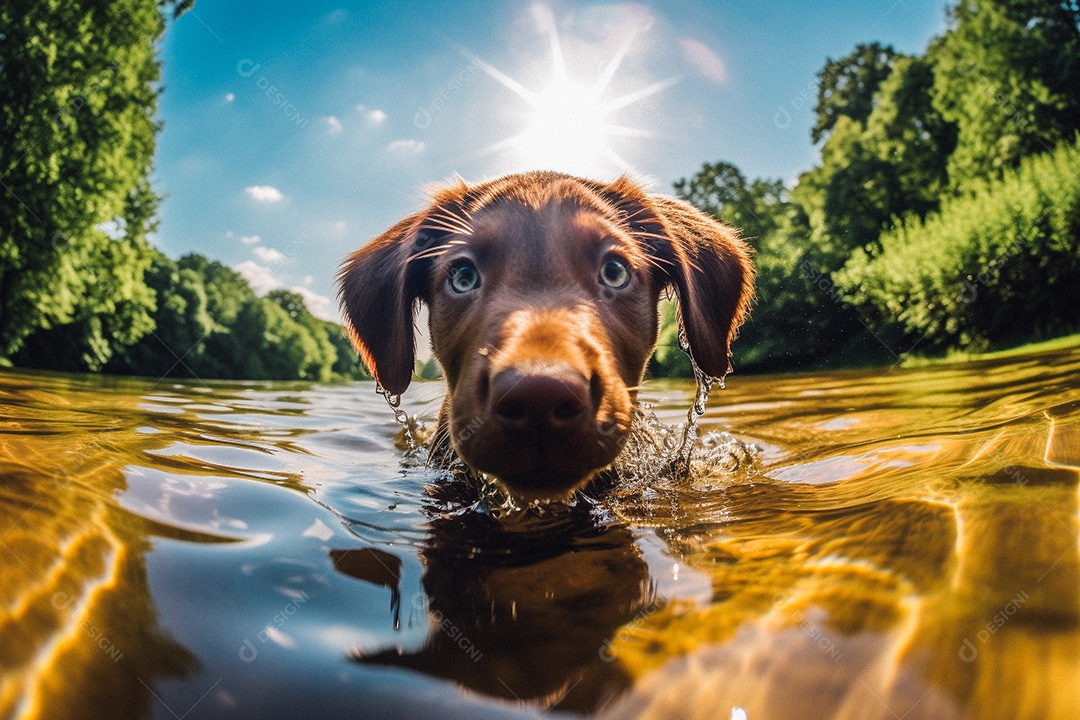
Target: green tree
(1007, 73)
(799, 320)
(78, 93)
(721, 190)
(849, 197)
(177, 345)
(226, 290)
(210, 325)
(227, 294)
(877, 170)
(348, 363)
(277, 346)
(906, 131)
(846, 87)
(428, 369)
(668, 359)
(319, 364)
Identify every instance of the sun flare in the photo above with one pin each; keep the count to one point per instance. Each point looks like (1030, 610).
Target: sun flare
(568, 123)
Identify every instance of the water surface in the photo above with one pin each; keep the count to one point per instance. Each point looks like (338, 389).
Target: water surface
(905, 545)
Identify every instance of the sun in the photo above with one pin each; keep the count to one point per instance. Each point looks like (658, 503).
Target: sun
(568, 124)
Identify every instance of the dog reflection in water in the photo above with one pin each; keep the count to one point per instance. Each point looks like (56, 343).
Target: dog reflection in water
(523, 609)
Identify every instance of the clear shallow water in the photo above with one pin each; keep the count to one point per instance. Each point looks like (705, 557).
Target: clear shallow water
(905, 546)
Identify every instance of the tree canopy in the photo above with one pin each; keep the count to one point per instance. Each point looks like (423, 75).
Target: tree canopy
(78, 95)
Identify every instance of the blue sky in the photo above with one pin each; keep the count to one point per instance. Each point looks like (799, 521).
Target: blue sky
(296, 132)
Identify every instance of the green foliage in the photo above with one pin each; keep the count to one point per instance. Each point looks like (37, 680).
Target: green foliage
(799, 319)
(849, 197)
(279, 346)
(313, 355)
(428, 370)
(906, 132)
(721, 190)
(669, 360)
(210, 325)
(181, 324)
(999, 266)
(226, 290)
(846, 87)
(348, 363)
(857, 264)
(890, 164)
(1007, 72)
(77, 100)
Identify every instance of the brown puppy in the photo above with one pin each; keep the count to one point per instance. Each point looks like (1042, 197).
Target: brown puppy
(542, 291)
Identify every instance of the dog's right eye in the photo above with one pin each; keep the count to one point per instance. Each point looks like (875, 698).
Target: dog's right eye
(464, 277)
(615, 273)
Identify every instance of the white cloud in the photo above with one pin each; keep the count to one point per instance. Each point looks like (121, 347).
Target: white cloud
(408, 147)
(375, 116)
(308, 279)
(269, 256)
(264, 193)
(337, 16)
(320, 306)
(702, 57)
(229, 97)
(249, 239)
(333, 125)
(262, 280)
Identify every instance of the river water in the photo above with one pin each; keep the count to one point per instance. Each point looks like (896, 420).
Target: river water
(879, 544)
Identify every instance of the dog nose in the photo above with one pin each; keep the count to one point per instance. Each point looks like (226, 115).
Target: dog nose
(547, 402)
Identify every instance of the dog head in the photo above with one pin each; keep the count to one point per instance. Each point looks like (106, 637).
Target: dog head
(542, 292)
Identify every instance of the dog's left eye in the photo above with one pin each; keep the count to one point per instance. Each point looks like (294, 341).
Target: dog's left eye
(615, 273)
(464, 278)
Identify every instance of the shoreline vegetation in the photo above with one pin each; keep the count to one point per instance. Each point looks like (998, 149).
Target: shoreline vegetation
(941, 223)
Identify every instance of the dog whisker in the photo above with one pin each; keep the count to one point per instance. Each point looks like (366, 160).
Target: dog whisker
(427, 254)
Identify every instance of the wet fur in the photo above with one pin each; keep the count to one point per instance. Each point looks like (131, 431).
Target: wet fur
(541, 321)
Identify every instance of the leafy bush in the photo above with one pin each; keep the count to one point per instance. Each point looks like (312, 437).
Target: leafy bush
(997, 266)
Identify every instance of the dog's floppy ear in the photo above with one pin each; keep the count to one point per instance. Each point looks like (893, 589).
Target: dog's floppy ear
(380, 288)
(713, 274)
(706, 261)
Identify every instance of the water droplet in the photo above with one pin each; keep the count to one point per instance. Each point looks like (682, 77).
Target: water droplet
(403, 419)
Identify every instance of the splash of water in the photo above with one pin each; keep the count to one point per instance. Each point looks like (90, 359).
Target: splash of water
(410, 440)
(659, 455)
(660, 461)
(657, 458)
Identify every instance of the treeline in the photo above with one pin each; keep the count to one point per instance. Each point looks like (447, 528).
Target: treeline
(206, 322)
(81, 288)
(945, 211)
(209, 324)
